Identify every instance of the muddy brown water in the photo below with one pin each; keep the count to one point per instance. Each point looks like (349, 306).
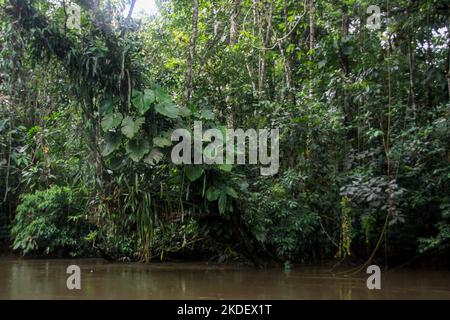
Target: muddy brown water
(46, 279)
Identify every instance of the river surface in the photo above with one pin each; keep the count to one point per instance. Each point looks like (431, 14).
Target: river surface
(46, 279)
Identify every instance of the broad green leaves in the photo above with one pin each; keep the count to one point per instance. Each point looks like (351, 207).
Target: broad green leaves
(111, 120)
(137, 149)
(143, 101)
(168, 109)
(231, 192)
(106, 106)
(221, 193)
(225, 167)
(194, 172)
(161, 94)
(113, 141)
(132, 126)
(138, 143)
(213, 194)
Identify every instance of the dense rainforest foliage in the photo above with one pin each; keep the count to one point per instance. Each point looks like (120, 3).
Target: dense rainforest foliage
(363, 112)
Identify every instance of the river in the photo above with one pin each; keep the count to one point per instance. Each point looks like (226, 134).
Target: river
(46, 279)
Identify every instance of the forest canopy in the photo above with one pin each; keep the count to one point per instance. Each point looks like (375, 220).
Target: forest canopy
(91, 91)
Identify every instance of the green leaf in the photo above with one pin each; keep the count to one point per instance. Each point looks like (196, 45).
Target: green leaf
(111, 121)
(231, 192)
(212, 194)
(113, 141)
(149, 96)
(226, 167)
(194, 172)
(222, 203)
(161, 94)
(168, 109)
(106, 106)
(154, 157)
(130, 127)
(143, 101)
(137, 100)
(115, 163)
(185, 112)
(162, 142)
(137, 149)
(290, 48)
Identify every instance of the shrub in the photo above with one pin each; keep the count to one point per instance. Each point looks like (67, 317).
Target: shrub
(49, 221)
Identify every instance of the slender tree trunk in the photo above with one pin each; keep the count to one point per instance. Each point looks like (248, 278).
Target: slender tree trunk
(234, 22)
(255, 15)
(287, 61)
(448, 60)
(95, 140)
(130, 12)
(8, 166)
(412, 93)
(191, 56)
(261, 53)
(312, 35)
(216, 23)
(346, 67)
(287, 72)
(265, 40)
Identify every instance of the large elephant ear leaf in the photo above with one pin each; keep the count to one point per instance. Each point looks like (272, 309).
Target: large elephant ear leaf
(111, 120)
(137, 149)
(161, 94)
(112, 142)
(130, 126)
(168, 109)
(143, 101)
(194, 172)
(149, 96)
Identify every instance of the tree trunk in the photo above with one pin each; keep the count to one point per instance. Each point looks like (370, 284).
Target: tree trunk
(191, 56)
(265, 40)
(234, 22)
(95, 141)
(448, 61)
(412, 93)
(287, 61)
(345, 66)
(312, 10)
